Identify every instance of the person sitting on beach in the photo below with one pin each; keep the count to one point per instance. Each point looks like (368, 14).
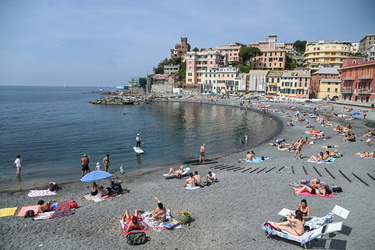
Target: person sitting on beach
(295, 226)
(211, 177)
(321, 190)
(308, 125)
(249, 156)
(102, 193)
(159, 214)
(307, 142)
(132, 221)
(314, 183)
(197, 178)
(317, 158)
(326, 154)
(305, 210)
(94, 189)
(189, 182)
(179, 171)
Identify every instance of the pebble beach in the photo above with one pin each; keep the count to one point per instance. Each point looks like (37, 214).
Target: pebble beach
(229, 213)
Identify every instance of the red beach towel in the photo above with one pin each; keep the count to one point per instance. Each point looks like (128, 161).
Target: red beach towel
(307, 193)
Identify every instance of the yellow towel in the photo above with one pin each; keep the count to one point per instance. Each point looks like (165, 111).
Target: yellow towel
(10, 211)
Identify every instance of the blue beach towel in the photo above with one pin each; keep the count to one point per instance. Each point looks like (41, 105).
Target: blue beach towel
(257, 160)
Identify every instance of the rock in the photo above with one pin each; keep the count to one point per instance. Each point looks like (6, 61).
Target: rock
(123, 100)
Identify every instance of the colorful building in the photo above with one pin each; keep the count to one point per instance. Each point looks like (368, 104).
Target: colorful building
(295, 83)
(358, 80)
(221, 80)
(326, 54)
(274, 82)
(232, 51)
(325, 83)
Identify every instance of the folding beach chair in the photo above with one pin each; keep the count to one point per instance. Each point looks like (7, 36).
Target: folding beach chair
(307, 237)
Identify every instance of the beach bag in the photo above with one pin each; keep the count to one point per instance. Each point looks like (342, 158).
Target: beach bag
(336, 189)
(29, 213)
(179, 176)
(53, 187)
(137, 238)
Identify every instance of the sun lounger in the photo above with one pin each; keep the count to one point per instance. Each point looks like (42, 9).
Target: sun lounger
(307, 237)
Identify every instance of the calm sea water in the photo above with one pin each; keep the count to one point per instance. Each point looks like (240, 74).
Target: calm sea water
(52, 127)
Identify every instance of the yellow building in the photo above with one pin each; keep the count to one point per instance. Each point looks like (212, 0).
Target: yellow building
(326, 54)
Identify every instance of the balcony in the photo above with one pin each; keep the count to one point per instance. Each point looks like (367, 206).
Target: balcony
(363, 91)
(347, 91)
(271, 84)
(348, 78)
(365, 77)
(271, 91)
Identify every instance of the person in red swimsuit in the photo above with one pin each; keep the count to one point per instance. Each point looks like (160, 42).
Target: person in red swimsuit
(132, 221)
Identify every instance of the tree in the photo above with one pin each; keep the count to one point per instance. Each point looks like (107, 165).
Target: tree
(290, 63)
(195, 49)
(182, 72)
(300, 46)
(248, 53)
(244, 68)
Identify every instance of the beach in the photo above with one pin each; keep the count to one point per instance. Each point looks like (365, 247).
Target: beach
(227, 214)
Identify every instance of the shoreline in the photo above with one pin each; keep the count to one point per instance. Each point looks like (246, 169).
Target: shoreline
(135, 172)
(225, 215)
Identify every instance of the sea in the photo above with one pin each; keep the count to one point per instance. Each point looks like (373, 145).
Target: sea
(52, 127)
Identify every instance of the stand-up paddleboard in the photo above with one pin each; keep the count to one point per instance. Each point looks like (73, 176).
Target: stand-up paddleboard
(138, 150)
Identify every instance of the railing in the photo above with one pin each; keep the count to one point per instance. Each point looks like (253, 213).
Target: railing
(348, 78)
(346, 90)
(365, 77)
(363, 90)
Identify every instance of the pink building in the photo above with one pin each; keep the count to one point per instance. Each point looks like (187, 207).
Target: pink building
(358, 80)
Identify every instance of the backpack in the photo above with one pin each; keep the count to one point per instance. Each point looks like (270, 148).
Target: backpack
(137, 238)
(53, 187)
(29, 213)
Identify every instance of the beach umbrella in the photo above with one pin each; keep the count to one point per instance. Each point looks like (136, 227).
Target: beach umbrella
(96, 175)
(356, 113)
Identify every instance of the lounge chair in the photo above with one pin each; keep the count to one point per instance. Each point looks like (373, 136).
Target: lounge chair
(307, 237)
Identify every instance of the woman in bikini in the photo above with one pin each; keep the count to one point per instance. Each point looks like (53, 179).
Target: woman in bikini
(317, 158)
(132, 221)
(293, 226)
(321, 190)
(305, 210)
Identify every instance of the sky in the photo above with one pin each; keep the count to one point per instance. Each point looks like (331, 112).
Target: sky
(106, 42)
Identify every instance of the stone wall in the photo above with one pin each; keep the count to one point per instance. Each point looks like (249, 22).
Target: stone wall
(121, 100)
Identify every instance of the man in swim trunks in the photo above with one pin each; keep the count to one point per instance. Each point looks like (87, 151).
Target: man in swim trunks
(314, 183)
(85, 160)
(159, 214)
(190, 182)
(197, 178)
(202, 153)
(132, 221)
(106, 162)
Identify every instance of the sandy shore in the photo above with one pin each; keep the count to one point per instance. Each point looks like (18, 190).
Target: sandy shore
(226, 215)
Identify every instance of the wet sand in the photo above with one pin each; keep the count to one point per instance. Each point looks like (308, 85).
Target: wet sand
(225, 215)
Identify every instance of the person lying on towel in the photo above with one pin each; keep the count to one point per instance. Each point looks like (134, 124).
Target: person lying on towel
(293, 226)
(321, 190)
(132, 221)
(46, 207)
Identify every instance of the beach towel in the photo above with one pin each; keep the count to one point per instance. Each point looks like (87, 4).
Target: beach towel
(10, 211)
(124, 226)
(23, 210)
(64, 205)
(328, 161)
(158, 226)
(90, 197)
(38, 193)
(316, 222)
(258, 159)
(307, 193)
(195, 187)
(283, 234)
(62, 213)
(44, 216)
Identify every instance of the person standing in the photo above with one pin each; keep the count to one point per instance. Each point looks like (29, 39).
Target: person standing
(106, 162)
(85, 160)
(202, 152)
(18, 163)
(138, 140)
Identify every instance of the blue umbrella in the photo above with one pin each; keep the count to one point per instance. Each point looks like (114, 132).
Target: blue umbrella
(96, 175)
(356, 113)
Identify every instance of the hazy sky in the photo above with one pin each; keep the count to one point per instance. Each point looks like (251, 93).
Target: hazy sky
(106, 42)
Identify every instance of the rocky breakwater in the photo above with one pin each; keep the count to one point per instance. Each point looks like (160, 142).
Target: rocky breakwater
(121, 100)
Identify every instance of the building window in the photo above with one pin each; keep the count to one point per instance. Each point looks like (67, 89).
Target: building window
(190, 74)
(328, 90)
